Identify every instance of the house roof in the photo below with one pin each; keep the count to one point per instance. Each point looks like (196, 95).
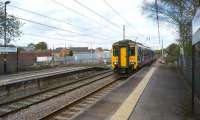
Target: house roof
(79, 49)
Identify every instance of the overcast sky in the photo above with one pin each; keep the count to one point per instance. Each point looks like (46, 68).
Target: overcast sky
(77, 26)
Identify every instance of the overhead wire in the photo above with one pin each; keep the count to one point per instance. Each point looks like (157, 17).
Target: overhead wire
(35, 22)
(61, 29)
(56, 38)
(123, 18)
(57, 28)
(76, 12)
(51, 18)
(45, 16)
(101, 16)
(83, 15)
(94, 12)
(157, 18)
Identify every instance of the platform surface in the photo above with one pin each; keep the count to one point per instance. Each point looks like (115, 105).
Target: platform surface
(166, 97)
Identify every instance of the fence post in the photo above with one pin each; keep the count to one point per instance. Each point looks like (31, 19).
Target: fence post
(193, 79)
(17, 60)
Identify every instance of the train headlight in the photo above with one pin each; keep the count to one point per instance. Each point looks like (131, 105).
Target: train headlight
(131, 63)
(115, 63)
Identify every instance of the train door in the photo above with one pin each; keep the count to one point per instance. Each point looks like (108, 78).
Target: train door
(123, 56)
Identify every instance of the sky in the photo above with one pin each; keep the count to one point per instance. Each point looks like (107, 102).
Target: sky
(65, 23)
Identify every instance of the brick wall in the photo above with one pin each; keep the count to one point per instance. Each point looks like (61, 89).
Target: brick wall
(26, 60)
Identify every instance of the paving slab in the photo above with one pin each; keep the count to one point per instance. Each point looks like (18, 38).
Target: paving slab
(166, 97)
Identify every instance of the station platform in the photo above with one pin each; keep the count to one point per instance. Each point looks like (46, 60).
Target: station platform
(153, 93)
(25, 76)
(166, 97)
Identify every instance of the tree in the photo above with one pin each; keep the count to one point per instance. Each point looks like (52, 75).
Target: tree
(173, 52)
(41, 46)
(70, 53)
(173, 11)
(177, 12)
(31, 46)
(13, 25)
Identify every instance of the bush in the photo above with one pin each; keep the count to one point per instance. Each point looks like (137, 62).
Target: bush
(173, 52)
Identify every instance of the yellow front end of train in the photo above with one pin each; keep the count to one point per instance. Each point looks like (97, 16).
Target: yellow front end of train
(124, 56)
(128, 56)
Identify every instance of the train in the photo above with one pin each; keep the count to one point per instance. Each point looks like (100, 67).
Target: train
(128, 56)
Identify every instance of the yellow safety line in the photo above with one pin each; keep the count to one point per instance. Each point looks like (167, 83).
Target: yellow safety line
(129, 104)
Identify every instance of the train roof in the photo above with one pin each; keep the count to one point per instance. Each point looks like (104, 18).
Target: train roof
(128, 41)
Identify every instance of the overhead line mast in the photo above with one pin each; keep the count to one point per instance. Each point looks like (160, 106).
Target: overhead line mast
(158, 24)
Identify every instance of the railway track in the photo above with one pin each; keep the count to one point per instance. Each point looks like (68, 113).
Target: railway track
(78, 106)
(24, 102)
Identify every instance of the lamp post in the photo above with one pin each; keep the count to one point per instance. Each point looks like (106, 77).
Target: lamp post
(5, 39)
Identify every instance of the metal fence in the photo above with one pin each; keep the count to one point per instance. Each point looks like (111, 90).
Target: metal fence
(81, 58)
(197, 68)
(196, 54)
(30, 61)
(185, 65)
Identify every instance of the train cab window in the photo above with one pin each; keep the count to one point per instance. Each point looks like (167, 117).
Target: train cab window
(115, 52)
(131, 51)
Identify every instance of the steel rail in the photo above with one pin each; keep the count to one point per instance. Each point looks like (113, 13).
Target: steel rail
(54, 92)
(76, 101)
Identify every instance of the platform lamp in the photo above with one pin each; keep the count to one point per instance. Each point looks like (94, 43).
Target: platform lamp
(5, 39)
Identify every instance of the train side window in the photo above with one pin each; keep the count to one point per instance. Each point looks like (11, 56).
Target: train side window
(131, 51)
(146, 52)
(115, 52)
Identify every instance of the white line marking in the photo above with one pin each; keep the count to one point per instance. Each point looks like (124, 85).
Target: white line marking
(129, 104)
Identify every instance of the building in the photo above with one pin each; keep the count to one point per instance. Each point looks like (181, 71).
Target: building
(77, 50)
(61, 52)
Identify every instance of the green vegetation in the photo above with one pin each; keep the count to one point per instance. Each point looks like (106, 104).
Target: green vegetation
(31, 46)
(41, 46)
(173, 52)
(13, 25)
(179, 13)
(70, 53)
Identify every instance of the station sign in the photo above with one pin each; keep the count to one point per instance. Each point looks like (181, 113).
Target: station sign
(8, 49)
